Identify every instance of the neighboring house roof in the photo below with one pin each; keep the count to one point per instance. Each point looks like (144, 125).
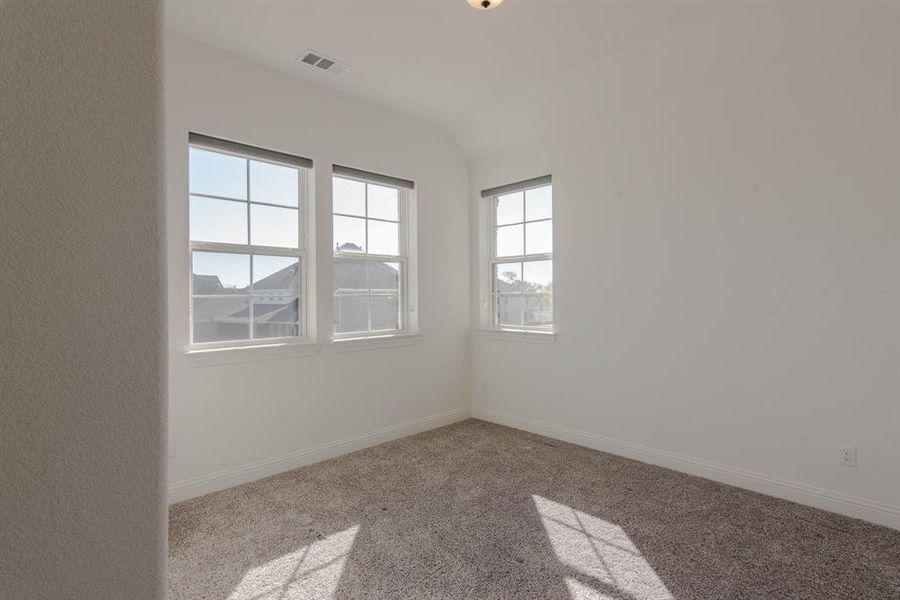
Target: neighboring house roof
(351, 275)
(232, 304)
(207, 284)
(274, 312)
(223, 309)
(285, 279)
(277, 313)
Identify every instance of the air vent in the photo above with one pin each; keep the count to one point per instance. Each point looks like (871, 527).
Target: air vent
(316, 59)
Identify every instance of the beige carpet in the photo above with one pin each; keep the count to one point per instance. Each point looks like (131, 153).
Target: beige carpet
(475, 510)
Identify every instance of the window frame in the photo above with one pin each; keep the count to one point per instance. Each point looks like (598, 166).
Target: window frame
(407, 290)
(489, 298)
(301, 253)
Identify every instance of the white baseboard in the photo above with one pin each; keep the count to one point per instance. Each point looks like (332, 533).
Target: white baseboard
(220, 480)
(851, 506)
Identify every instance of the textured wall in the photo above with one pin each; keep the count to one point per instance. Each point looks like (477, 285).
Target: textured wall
(81, 317)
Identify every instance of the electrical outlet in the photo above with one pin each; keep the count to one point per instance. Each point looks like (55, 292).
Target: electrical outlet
(482, 388)
(848, 456)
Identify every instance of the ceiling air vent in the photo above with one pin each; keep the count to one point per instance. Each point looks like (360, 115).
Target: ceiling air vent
(320, 61)
(311, 58)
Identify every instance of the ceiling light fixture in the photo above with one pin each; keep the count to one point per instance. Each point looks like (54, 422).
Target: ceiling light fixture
(484, 4)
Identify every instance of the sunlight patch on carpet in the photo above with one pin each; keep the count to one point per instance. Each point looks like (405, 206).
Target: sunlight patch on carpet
(608, 563)
(312, 571)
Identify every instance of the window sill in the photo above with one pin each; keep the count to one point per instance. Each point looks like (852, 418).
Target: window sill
(244, 354)
(519, 335)
(375, 342)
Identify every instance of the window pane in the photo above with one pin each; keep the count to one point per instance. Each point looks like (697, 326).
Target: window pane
(348, 196)
(383, 202)
(508, 278)
(220, 273)
(276, 316)
(509, 209)
(218, 220)
(276, 274)
(538, 309)
(271, 226)
(539, 237)
(349, 234)
(276, 296)
(539, 203)
(351, 276)
(384, 277)
(351, 313)
(510, 241)
(221, 319)
(509, 309)
(538, 276)
(217, 174)
(385, 312)
(384, 238)
(275, 184)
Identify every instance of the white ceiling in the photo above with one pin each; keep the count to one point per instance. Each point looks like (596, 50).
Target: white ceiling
(435, 59)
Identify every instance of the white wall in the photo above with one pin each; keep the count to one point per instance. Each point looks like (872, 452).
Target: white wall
(82, 368)
(236, 422)
(726, 222)
(727, 219)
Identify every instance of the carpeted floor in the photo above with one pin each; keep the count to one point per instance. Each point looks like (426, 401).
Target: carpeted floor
(476, 510)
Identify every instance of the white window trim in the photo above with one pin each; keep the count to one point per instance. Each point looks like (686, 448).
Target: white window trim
(407, 259)
(209, 357)
(487, 226)
(518, 335)
(375, 342)
(197, 351)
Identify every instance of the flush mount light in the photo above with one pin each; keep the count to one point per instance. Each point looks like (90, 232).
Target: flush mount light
(484, 4)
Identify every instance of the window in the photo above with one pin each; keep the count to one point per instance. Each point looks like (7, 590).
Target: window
(372, 266)
(247, 242)
(521, 255)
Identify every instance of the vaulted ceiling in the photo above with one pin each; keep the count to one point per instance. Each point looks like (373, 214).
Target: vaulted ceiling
(439, 60)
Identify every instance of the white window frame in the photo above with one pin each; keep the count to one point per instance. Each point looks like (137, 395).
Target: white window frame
(408, 290)
(489, 261)
(307, 269)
